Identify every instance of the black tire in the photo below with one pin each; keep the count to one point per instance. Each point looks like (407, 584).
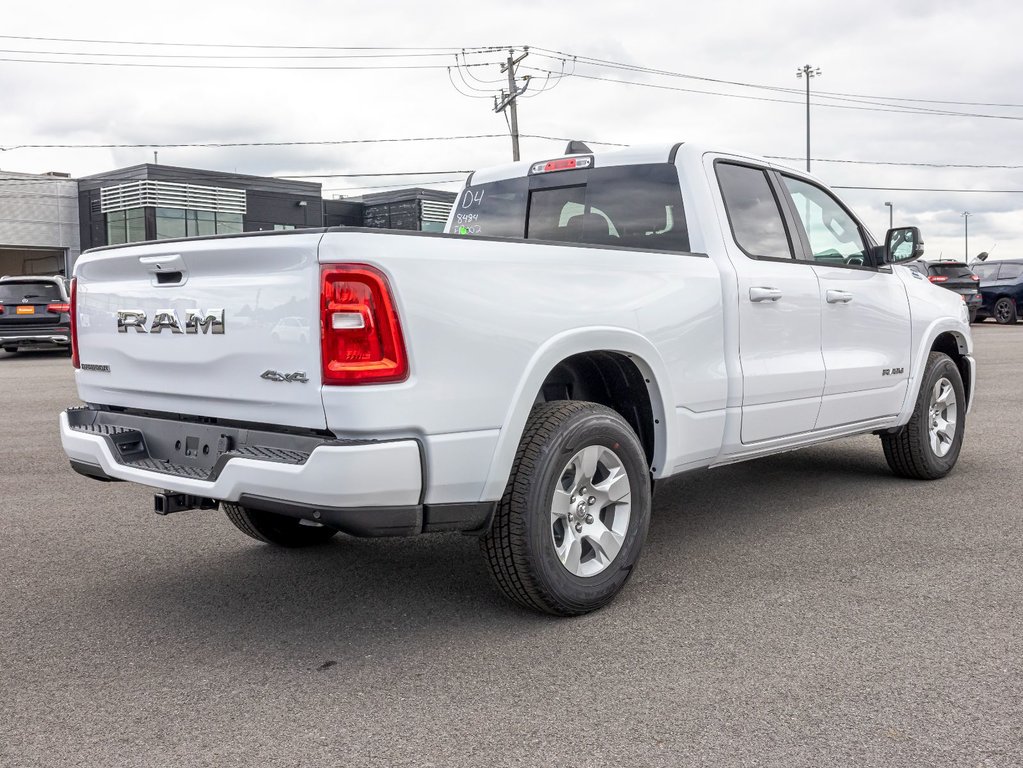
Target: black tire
(280, 530)
(1005, 311)
(520, 545)
(973, 316)
(11, 350)
(909, 451)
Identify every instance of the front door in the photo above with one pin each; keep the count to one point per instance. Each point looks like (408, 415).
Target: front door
(865, 322)
(779, 310)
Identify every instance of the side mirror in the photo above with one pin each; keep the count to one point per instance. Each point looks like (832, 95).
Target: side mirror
(903, 245)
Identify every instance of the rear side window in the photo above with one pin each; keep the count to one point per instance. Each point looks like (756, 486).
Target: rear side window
(1009, 271)
(987, 271)
(633, 206)
(753, 211)
(17, 292)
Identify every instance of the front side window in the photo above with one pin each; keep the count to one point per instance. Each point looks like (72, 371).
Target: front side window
(834, 235)
(753, 211)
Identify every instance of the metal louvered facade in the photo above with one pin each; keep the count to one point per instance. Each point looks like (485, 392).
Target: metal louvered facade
(39, 231)
(434, 210)
(168, 194)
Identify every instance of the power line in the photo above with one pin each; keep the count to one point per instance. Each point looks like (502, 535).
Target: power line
(667, 73)
(326, 68)
(930, 189)
(243, 45)
(392, 55)
(366, 175)
(890, 108)
(336, 142)
(897, 163)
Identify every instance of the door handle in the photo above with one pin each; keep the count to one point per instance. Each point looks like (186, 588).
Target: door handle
(838, 297)
(764, 294)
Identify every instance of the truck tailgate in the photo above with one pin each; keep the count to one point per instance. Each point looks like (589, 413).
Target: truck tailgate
(150, 338)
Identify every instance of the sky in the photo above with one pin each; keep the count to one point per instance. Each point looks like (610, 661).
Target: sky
(906, 90)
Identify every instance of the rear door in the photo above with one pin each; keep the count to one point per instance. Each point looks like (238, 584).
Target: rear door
(865, 322)
(31, 305)
(187, 327)
(779, 308)
(955, 276)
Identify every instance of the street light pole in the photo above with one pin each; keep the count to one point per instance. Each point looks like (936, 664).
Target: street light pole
(966, 223)
(807, 72)
(891, 215)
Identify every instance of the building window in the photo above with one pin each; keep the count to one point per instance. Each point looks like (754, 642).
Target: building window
(170, 222)
(199, 223)
(180, 222)
(126, 226)
(281, 227)
(229, 223)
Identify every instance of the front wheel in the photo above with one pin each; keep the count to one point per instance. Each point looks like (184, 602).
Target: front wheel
(570, 526)
(1005, 311)
(928, 446)
(280, 530)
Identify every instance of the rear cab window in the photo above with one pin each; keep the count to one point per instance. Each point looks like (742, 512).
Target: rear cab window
(630, 206)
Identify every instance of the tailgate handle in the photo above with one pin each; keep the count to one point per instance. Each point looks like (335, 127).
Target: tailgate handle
(166, 270)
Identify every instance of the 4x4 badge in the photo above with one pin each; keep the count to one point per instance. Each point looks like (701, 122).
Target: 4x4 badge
(298, 376)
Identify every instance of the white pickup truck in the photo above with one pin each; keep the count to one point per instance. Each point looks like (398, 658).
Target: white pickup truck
(587, 325)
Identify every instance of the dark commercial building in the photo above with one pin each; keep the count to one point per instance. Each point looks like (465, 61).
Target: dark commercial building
(416, 209)
(153, 202)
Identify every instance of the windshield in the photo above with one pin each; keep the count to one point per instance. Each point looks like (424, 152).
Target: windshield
(634, 206)
(15, 292)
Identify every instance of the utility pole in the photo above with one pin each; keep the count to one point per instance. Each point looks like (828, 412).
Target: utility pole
(807, 72)
(891, 215)
(508, 99)
(966, 222)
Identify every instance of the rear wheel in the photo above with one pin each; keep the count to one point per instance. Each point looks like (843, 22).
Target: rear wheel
(928, 446)
(973, 316)
(1005, 311)
(571, 524)
(280, 530)
(10, 350)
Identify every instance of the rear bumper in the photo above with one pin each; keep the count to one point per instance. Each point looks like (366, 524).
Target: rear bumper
(384, 474)
(44, 337)
(369, 488)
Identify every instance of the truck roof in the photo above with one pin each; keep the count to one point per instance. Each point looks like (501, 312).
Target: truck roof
(634, 155)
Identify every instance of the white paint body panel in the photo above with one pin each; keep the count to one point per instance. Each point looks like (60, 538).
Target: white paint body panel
(484, 322)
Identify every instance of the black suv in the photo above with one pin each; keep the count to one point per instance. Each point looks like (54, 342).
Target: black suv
(956, 276)
(35, 312)
(1001, 287)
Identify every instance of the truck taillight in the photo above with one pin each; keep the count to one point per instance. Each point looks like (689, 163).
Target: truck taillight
(360, 335)
(72, 311)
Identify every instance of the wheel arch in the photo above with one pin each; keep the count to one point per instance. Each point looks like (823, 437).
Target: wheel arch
(947, 337)
(616, 367)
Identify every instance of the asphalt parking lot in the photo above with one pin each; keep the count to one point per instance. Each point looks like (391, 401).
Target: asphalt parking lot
(807, 609)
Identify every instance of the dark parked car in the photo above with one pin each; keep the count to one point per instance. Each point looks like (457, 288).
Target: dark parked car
(956, 276)
(35, 312)
(1001, 288)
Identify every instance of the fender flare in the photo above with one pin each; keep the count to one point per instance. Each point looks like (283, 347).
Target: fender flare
(552, 352)
(930, 335)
